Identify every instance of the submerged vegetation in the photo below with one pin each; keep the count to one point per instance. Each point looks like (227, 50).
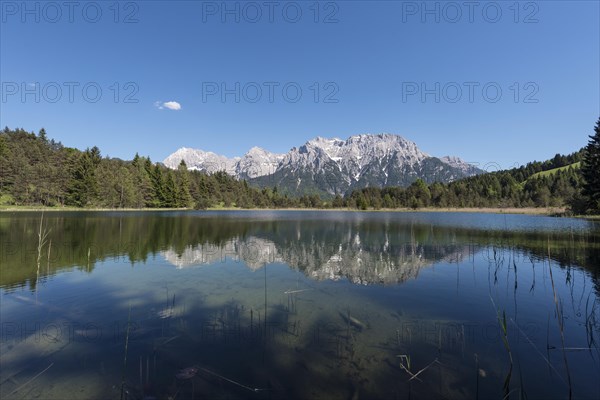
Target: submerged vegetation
(320, 305)
(37, 171)
(83, 243)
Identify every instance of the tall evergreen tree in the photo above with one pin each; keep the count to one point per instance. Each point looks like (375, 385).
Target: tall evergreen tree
(159, 199)
(146, 174)
(42, 135)
(84, 185)
(170, 191)
(590, 169)
(3, 162)
(184, 199)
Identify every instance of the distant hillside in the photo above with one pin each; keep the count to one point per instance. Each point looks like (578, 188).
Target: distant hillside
(555, 182)
(552, 171)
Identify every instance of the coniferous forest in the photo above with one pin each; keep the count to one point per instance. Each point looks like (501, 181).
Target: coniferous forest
(38, 171)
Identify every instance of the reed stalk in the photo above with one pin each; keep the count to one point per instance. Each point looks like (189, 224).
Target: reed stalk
(560, 320)
(125, 356)
(504, 331)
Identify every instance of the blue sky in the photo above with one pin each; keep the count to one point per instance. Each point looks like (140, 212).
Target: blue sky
(427, 71)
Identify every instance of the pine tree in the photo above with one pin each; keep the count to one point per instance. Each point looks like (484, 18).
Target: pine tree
(145, 183)
(42, 135)
(590, 169)
(184, 199)
(337, 202)
(170, 191)
(158, 187)
(84, 186)
(3, 162)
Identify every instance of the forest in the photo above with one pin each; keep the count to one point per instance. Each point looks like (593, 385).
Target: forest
(38, 171)
(553, 183)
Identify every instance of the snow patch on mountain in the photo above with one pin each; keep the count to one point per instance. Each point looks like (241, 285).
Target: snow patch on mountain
(256, 162)
(201, 160)
(458, 163)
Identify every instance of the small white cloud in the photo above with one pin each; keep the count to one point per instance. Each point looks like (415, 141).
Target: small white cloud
(172, 105)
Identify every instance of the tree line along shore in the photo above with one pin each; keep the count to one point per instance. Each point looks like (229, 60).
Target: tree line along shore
(40, 173)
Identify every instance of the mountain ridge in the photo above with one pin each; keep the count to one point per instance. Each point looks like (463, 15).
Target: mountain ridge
(332, 165)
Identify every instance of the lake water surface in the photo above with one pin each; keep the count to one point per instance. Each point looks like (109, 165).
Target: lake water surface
(298, 304)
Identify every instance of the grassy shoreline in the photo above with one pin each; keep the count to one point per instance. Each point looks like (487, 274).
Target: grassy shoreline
(554, 211)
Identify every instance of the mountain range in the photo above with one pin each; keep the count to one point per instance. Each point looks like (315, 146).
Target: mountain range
(332, 166)
(360, 263)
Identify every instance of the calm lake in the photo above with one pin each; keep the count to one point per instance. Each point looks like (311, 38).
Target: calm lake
(298, 304)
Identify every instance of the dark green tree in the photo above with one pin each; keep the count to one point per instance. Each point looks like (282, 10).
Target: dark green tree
(3, 161)
(159, 197)
(388, 202)
(337, 202)
(184, 198)
(419, 194)
(84, 186)
(590, 169)
(42, 135)
(170, 191)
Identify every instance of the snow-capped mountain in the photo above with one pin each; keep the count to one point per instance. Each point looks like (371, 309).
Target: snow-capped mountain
(196, 159)
(468, 169)
(333, 165)
(257, 162)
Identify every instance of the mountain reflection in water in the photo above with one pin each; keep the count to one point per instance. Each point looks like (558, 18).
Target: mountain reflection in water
(389, 248)
(298, 304)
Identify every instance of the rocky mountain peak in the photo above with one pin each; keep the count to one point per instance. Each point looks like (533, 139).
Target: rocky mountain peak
(332, 165)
